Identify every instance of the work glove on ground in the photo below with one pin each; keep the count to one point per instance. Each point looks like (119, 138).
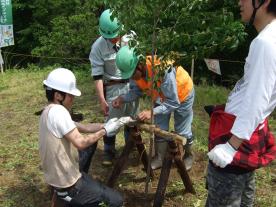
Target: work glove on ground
(112, 127)
(222, 154)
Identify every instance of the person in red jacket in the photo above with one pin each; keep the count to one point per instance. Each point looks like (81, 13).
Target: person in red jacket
(239, 136)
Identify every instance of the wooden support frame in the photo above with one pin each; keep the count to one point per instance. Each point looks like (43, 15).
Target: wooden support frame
(134, 139)
(174, 153)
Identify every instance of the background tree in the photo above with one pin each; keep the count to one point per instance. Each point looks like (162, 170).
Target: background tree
(179, 29)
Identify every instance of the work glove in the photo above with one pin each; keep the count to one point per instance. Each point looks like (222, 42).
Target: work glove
(112, 127)
(126, 120)
(222, 154)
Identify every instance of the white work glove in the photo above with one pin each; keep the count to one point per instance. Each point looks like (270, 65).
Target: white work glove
(222, 154)
(112, 127)
(126, 120)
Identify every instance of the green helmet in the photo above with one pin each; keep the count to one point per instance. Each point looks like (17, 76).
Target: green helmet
(126, 61)
(109, 28)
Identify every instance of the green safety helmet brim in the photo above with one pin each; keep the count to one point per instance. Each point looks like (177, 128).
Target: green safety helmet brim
(109, 28)
(126, 61)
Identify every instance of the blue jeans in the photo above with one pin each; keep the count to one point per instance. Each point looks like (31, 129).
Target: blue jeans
(229, 189)
(85, 157)
(183, 117)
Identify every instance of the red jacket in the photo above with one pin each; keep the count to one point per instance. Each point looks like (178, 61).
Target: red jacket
(257, 152)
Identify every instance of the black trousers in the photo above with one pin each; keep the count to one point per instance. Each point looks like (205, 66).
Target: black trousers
(90, 193)
(85, 157)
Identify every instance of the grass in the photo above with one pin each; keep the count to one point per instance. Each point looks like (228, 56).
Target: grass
(21, 180)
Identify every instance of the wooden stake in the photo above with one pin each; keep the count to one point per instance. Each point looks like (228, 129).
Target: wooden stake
(1, 62)
(173, 153)
(192, 68)
(162, 133)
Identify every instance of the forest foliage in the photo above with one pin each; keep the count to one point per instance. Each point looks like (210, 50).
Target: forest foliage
(185, 29)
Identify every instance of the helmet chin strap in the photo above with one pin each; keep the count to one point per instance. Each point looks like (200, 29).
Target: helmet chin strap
(255, 11)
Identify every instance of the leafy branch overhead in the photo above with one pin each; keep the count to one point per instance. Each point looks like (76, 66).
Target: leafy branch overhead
(192, 28)
(177, 30)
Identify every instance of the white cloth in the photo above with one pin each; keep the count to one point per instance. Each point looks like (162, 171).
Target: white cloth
(59, 121)
(254, 96)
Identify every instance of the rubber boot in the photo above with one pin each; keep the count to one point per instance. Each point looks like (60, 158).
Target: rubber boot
(188, 157)
(109, 150)
(108, 157)
(160, 152)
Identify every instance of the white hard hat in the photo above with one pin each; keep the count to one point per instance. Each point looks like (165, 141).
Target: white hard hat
(64, 80)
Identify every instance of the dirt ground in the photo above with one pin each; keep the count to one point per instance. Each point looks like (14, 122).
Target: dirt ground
(131, 182)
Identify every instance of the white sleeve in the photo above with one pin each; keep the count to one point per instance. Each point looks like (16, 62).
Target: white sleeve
(59, 121)
(260, 78)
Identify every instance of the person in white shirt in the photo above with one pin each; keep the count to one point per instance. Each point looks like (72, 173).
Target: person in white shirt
(239, 136)
(59, 142)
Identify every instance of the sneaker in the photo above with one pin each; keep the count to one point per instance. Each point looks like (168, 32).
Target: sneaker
(108, 158)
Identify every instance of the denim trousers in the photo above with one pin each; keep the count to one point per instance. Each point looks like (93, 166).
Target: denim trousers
(183, 117)
(85, 157)
(229, 189)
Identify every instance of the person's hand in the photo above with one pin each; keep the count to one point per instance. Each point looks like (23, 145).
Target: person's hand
(118, 102)
(112, 127)
(104, 107)
(222, 154)
(145, 115)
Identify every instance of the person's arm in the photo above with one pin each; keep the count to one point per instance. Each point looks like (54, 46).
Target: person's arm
(100, 92)
(83, 141)
(171, 102)
(80, 141)
(89, 128)
(133, 94)
(97, 65)
(259, 83)
(169, 90)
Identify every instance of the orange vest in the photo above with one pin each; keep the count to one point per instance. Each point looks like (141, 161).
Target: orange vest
(183, 81)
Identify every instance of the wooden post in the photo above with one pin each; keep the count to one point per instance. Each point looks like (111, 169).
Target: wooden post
(141, 149)
(182, 169)
(192, 68)
(1, 62)
(121, 162)
(173, 153)
(163, 180)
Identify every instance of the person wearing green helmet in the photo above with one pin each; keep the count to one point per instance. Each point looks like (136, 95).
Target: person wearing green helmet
(176, 95)
(108, 80)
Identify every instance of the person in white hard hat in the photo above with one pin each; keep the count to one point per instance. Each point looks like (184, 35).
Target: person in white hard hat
(59, 140)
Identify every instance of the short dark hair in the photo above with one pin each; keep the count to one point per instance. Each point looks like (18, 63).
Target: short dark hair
(272, 7)
(50, 92)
